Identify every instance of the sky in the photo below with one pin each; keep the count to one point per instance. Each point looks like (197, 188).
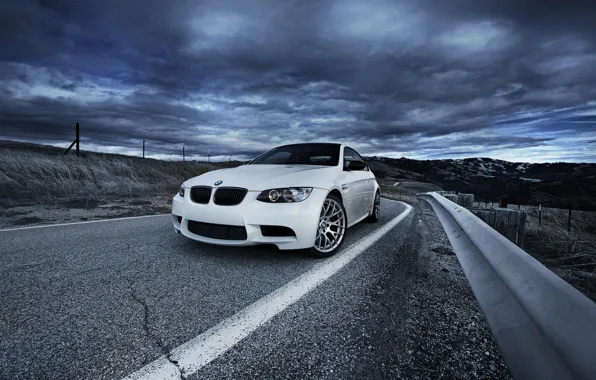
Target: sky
(426, 79)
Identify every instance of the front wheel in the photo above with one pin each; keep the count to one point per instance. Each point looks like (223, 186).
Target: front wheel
(331, 228)
(376, 212)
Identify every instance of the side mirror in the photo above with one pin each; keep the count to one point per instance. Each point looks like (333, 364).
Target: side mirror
(354, 165)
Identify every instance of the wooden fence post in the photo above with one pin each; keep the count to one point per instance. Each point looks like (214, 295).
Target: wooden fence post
(540, 215)
(569, 231)
(521, 229)
(77, 139)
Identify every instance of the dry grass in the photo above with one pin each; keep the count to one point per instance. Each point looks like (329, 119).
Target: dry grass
(552, 235)
(34, 177)
(571, 254)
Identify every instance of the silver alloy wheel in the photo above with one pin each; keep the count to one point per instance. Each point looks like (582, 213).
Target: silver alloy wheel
(332, 226)
(377, 205)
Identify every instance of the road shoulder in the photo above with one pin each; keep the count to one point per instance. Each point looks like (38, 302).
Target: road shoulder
(448, 337)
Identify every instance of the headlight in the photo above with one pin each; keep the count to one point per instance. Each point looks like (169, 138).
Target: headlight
(285, 195)
(181, 192)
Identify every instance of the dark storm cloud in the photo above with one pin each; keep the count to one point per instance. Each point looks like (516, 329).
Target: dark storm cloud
(428, 78)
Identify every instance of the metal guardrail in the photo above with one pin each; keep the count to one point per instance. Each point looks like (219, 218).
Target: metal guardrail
(544, 327)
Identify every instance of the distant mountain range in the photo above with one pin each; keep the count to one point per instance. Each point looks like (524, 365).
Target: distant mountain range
(550, 184)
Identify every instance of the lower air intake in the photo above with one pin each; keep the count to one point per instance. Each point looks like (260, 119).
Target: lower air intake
(277, 231)
(217, 231)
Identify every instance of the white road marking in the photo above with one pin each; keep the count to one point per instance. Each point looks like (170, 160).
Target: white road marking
(85, 222)
(204, 348)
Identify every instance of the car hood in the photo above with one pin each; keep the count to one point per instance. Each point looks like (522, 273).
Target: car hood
(262, 177)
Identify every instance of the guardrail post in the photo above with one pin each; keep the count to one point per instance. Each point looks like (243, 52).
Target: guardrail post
(452, 197)
(465, 200)
(507, 222)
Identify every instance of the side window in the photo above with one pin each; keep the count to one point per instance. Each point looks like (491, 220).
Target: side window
(351, 155)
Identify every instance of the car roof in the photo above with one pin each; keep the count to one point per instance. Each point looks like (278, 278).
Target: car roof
(312, 143)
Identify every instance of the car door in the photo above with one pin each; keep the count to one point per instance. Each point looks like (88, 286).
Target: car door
(354, 184)
(368, 190)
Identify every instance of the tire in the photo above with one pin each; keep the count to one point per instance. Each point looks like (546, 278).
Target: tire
(376, 211)
(333, 218)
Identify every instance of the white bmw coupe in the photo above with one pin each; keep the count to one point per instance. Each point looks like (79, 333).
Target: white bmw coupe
(300, 196)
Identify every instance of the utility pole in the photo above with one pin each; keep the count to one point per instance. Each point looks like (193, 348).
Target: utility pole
(209, 157)
(143, 148)
(183, 158)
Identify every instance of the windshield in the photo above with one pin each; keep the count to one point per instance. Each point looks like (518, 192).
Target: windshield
(301, 154)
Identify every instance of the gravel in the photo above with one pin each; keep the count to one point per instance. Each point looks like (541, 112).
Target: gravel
(70, 210)
(448, 337)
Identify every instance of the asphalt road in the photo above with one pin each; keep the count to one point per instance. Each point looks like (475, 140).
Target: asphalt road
(103, 300)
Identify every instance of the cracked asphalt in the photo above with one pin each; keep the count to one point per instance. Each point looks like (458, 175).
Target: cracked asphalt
(102, 300)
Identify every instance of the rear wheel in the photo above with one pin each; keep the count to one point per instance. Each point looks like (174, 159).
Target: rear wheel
(331, 228)
(376, 212)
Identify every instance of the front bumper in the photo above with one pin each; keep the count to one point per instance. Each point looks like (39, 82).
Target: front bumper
(301, 217)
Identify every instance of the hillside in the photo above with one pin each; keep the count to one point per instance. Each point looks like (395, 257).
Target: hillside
(47, 174)
(551, 184)
(40, 174)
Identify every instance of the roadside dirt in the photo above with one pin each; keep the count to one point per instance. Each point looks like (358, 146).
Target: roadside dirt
(78, 210)
(447, 334)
